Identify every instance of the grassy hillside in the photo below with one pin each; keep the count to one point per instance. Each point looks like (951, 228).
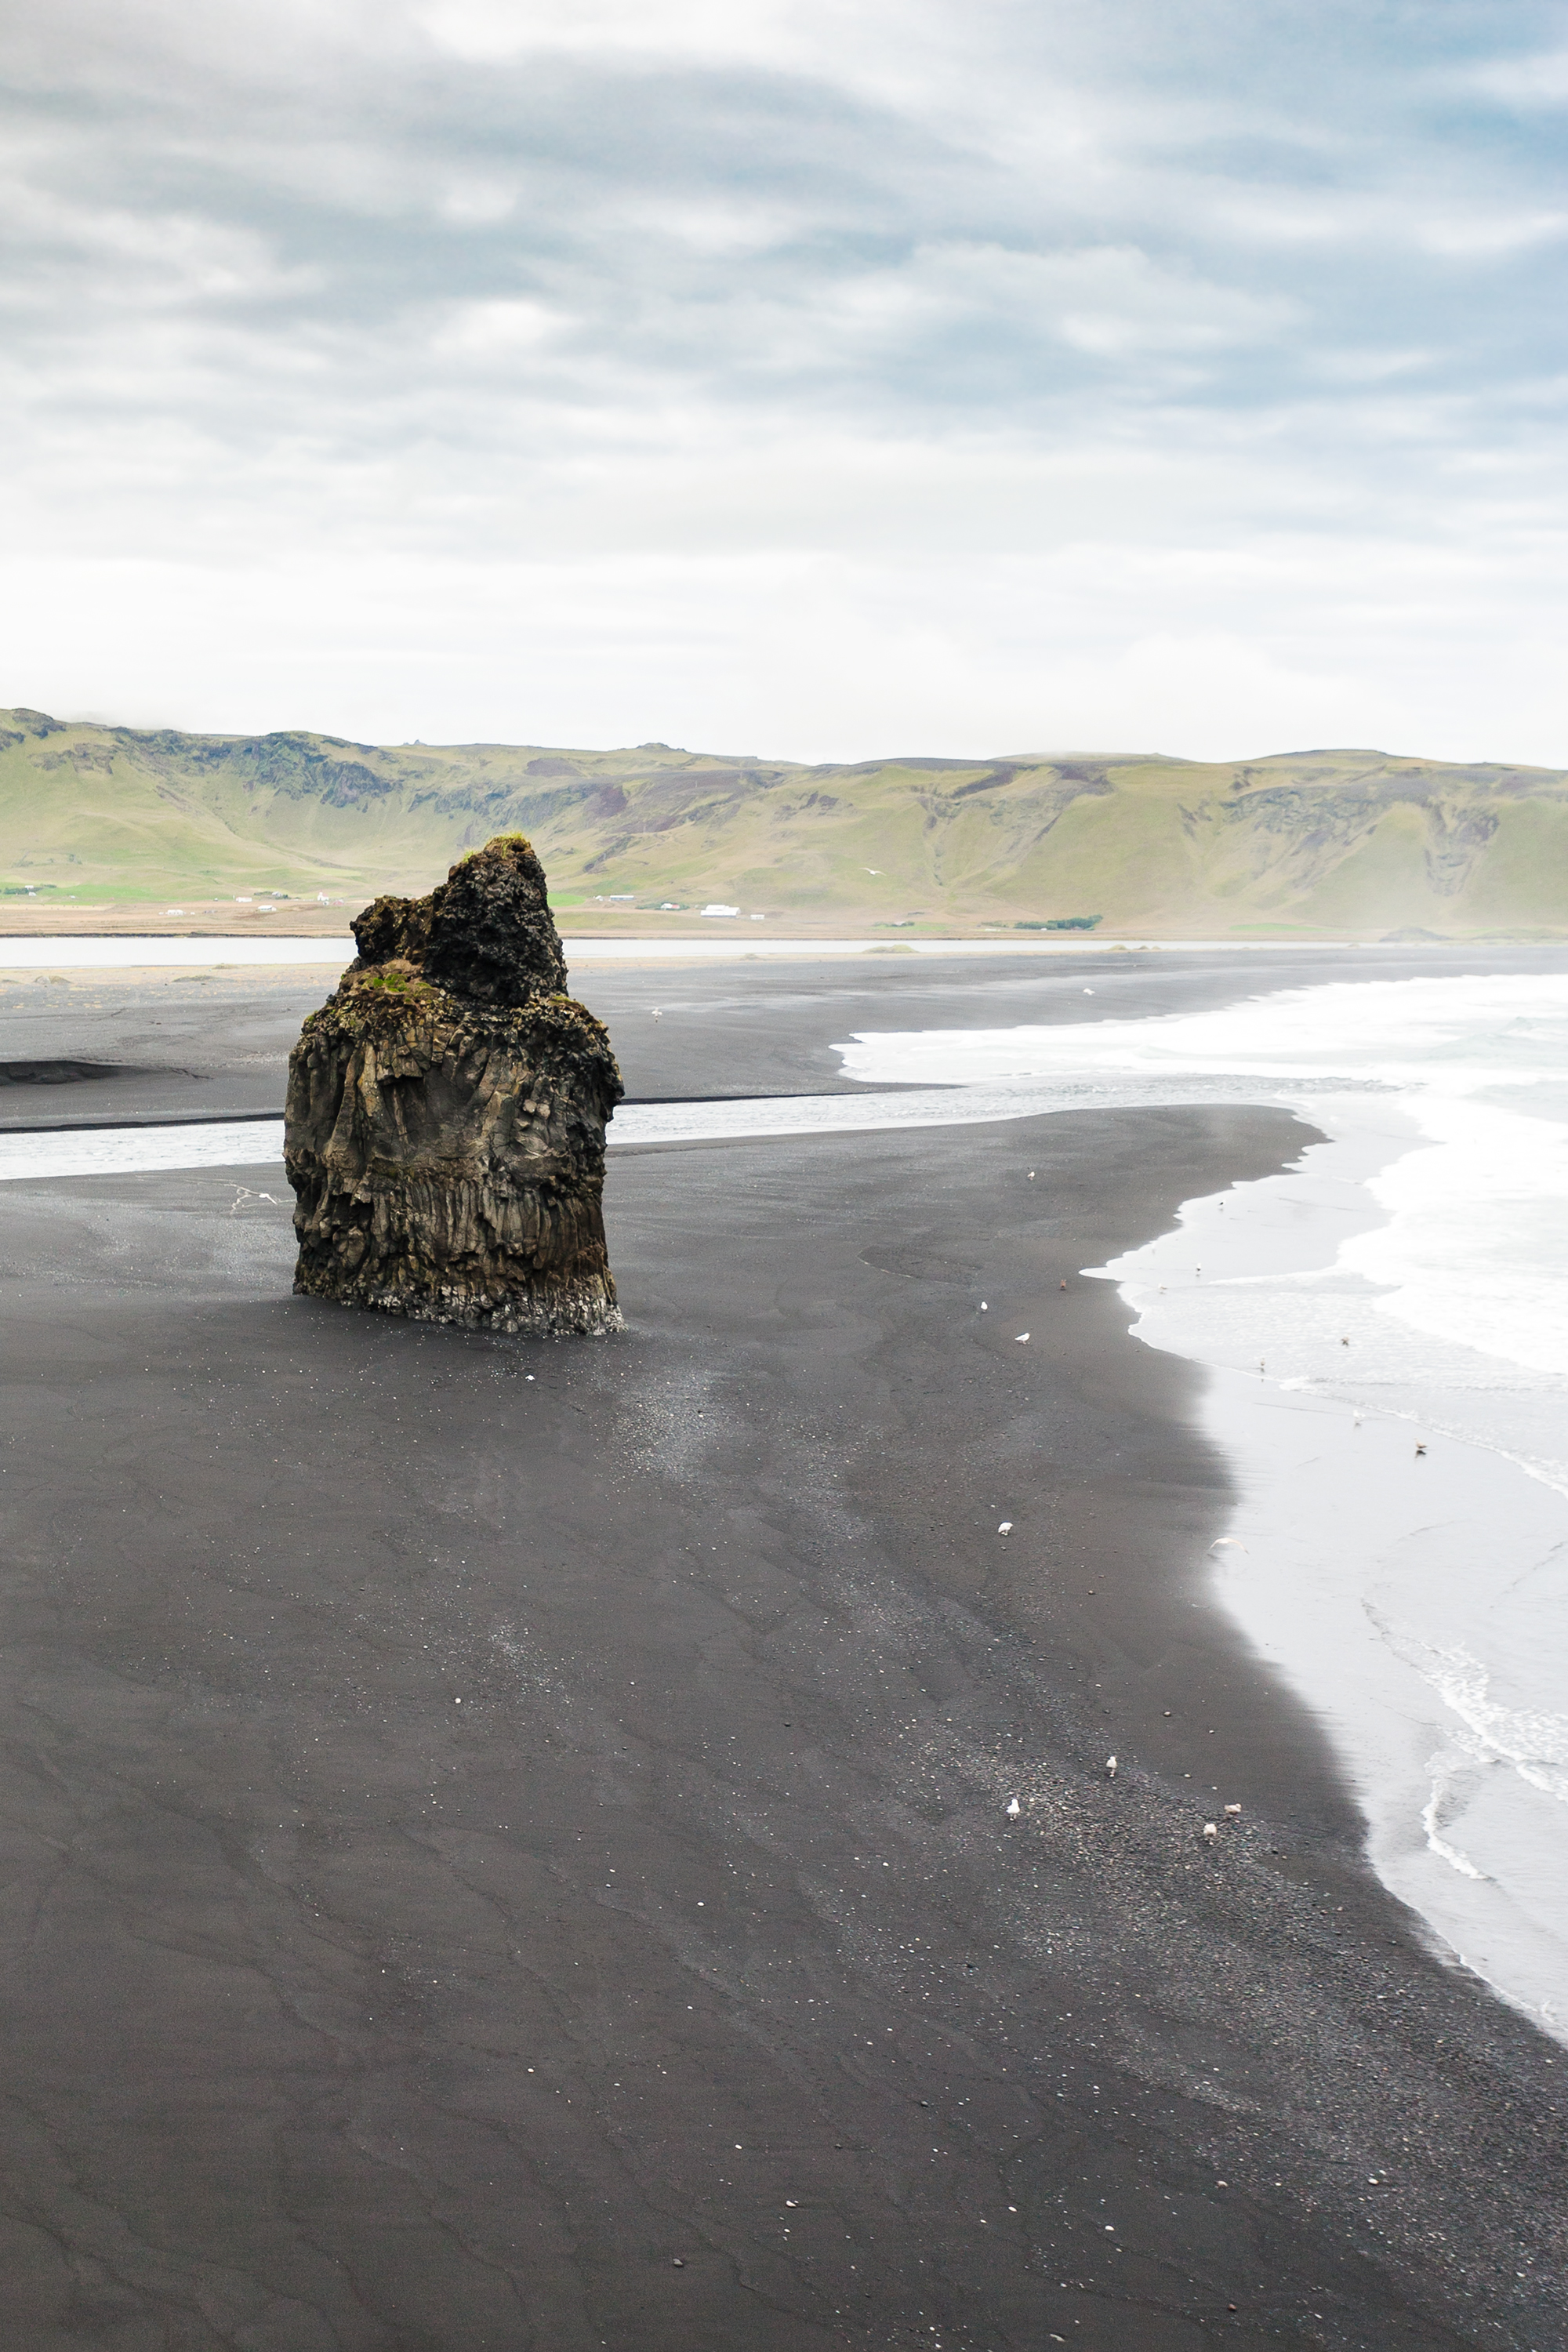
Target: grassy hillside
(111, 825)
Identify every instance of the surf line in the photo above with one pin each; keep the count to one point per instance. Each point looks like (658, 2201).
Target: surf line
(250, 1138)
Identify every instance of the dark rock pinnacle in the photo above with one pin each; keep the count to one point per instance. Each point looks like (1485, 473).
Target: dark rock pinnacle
(445, 1128)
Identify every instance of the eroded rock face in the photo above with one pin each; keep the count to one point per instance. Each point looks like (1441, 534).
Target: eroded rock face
(444, 1129)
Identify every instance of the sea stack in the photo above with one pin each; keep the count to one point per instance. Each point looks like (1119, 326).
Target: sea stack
(445, 1128)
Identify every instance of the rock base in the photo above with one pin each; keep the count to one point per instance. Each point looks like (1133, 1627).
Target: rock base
(564, 1310)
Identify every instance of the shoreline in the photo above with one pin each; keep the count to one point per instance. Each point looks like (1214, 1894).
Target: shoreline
(574, 1804)
(1374, 1604)
(1420, 1767)
(217, 1043)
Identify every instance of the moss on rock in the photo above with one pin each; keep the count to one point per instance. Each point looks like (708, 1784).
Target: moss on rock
(444, 1129)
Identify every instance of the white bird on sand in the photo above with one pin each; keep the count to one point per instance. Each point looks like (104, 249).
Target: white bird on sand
(1232, 1812)
(1111, 1768)
(1014, 1809)
(1005, 1529)
(1210, 1832)
(1023, 1334)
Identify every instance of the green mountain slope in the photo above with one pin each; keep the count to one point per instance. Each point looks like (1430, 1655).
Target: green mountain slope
(1334, 844)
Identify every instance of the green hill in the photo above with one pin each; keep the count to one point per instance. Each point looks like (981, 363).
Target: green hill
(116, 823)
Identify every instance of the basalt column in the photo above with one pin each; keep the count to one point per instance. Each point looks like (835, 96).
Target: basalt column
(445, 1130)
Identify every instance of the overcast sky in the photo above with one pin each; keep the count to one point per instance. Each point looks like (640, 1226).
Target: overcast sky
(821, 379)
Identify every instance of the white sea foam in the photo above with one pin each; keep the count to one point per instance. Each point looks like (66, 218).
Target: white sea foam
(1535, 1745)
(126, 1151)
(1405, 1283)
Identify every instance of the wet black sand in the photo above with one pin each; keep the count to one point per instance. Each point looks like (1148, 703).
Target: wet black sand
(522, 1862)
(215, 1046)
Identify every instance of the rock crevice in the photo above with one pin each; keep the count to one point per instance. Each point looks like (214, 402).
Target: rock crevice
(444, 1128)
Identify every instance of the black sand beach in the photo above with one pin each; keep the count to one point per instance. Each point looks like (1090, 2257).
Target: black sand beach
(105, 1049)
(507, 1843)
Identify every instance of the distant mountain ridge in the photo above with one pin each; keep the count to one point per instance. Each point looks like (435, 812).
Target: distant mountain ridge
(1333, 842)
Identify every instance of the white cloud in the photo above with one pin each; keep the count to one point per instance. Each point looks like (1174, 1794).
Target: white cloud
(488, 329)
(476, 204)
(699, 31)
(973, 369)
(1525, 82)
(1482, 236)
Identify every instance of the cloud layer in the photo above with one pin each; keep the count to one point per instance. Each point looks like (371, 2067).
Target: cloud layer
(790, 378)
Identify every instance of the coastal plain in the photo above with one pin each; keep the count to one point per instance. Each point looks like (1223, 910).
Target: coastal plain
(509, 1843)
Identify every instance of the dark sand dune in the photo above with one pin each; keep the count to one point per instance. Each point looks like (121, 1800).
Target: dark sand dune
(511, 1861)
